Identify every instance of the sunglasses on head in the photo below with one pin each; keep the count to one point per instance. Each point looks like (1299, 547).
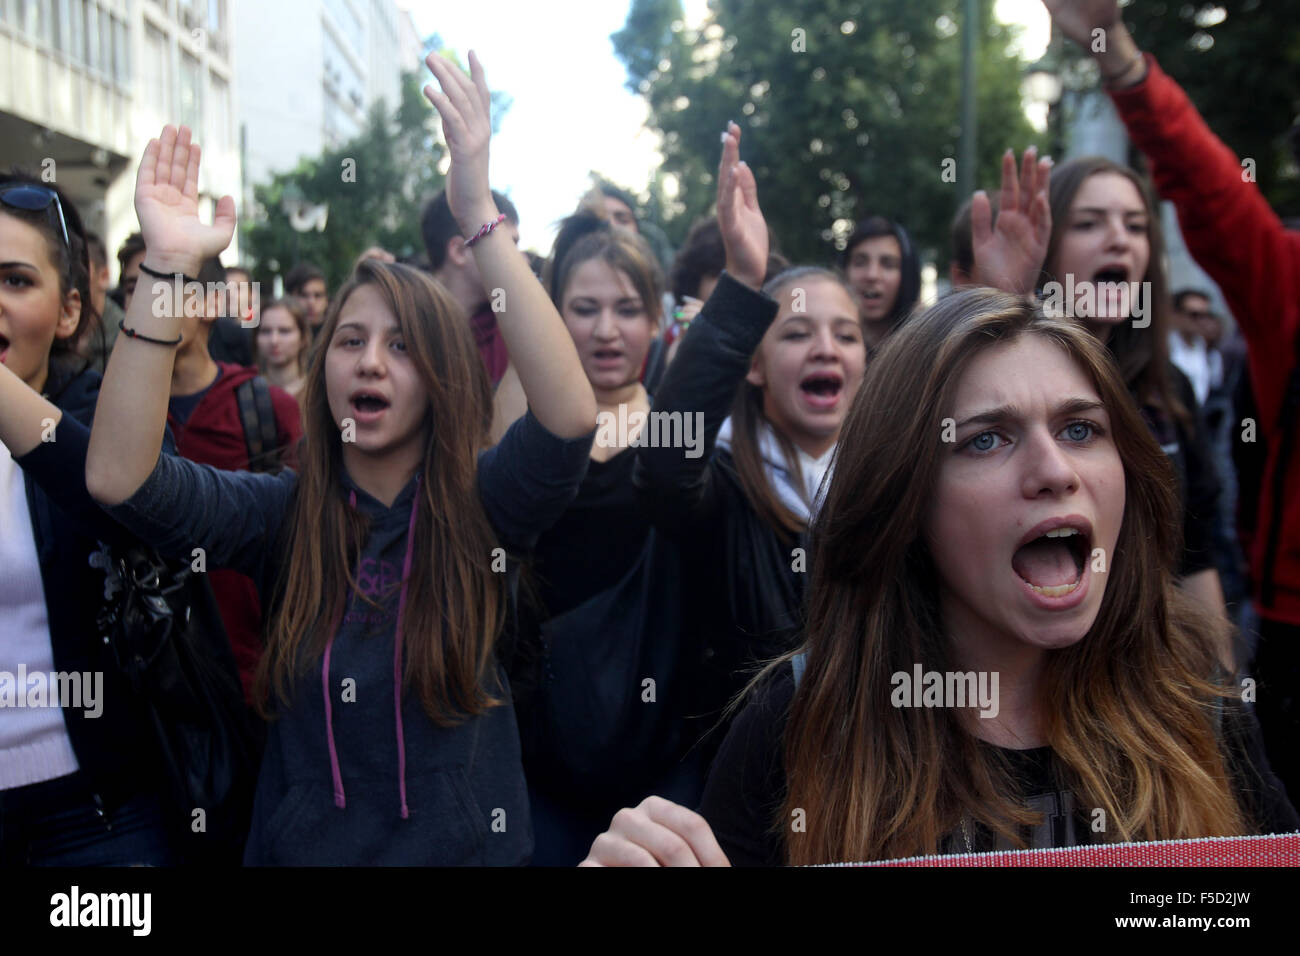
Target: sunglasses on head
(33, 198)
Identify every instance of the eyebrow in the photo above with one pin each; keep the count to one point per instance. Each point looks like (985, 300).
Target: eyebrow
(1101, 210)
(1005, 413)
(17, 264)
(591, 298)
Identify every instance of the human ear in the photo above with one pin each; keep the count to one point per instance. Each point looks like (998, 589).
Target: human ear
(69, 316)
(457, 252)
(755, 374)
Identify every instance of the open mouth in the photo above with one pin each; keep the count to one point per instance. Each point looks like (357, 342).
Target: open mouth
(1052, 563)
(4, 347)
(369, 403)
(607, 355)
(822, 386)
(1111, 274)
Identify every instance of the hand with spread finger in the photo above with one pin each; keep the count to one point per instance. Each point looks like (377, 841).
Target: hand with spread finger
(656, 832)
(465, 107)
(744, 230)
(1010, 254)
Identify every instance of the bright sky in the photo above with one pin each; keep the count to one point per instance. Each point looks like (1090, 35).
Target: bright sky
(571, 111)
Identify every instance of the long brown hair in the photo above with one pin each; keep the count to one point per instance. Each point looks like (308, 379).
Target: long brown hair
(1142, 354)
(747, 419)
(1130, 709)
(454, 605)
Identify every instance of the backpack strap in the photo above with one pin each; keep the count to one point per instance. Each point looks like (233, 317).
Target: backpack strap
(257, 415)
(799, 664)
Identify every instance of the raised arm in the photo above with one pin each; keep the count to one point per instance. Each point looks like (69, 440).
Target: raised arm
(132, 412)
(676, 485)
(540, 347)
(1230, 229)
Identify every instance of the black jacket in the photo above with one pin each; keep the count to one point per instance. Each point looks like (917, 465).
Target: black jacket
(116, 750)
(743, 591)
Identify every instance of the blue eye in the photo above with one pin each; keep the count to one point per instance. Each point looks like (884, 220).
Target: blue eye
(1081, 431)
(983, 442)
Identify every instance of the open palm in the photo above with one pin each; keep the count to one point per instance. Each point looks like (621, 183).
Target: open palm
(744, 230)
(1010, 255)
(167, 203)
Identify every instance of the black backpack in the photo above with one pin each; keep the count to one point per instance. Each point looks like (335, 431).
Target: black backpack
(257, 415)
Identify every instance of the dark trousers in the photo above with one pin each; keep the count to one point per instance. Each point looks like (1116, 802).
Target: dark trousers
(1277, 704)
(60, 823)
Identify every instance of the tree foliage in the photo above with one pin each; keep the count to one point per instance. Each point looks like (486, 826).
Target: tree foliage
(1239, 61)
(848, 107)
(375, 186)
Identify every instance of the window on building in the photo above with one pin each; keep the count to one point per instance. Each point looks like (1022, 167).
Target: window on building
(220, 91)
(155, 97)
(122, 54)
(191, 106)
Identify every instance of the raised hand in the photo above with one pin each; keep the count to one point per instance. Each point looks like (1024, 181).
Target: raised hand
(656, 832)
(465, 107)
(167, 205)
(744, 231)
(1010, 256)
(1077, 19)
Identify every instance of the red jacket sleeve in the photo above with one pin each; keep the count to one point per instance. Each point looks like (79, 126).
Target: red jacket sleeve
(1229, 227)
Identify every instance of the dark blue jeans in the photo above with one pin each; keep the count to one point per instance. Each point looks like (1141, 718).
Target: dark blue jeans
(62, 823)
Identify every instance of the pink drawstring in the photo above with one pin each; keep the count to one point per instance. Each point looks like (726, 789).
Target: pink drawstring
(397, 654)
(339, 798)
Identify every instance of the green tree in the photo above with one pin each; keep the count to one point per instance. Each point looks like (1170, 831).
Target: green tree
(1239, 61)
(375, 186)
(848, 108)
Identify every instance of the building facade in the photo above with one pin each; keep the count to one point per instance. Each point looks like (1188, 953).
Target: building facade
(84, 84)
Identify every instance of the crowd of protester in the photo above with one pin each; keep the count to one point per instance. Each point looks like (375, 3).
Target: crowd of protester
(497, 561)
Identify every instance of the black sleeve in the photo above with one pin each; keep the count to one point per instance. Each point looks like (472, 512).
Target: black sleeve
(746, 786)
(1261, 795)
(1201, 494)
(676, 485)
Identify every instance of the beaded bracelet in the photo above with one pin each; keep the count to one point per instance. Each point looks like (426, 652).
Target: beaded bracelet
(133, 334)
(486, 228)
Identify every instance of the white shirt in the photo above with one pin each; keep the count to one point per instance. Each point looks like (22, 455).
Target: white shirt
(34, 744)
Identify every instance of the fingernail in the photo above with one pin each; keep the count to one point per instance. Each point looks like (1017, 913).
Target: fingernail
(1048, 160)
(724, 136)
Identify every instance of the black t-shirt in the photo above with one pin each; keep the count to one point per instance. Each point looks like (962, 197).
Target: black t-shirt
(746, 787)
(181, 407)
(596, 540)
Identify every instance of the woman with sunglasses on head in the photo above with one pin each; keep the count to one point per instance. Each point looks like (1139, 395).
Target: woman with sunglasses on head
(384, 559)
(79, 785)
(998, 511)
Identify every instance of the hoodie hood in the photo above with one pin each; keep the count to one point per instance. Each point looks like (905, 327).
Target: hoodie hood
(802, 493)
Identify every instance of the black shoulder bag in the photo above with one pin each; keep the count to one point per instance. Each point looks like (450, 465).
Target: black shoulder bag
(165, 631)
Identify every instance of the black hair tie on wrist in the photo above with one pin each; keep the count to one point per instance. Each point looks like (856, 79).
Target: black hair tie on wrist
(133, 334)
(165, 275)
